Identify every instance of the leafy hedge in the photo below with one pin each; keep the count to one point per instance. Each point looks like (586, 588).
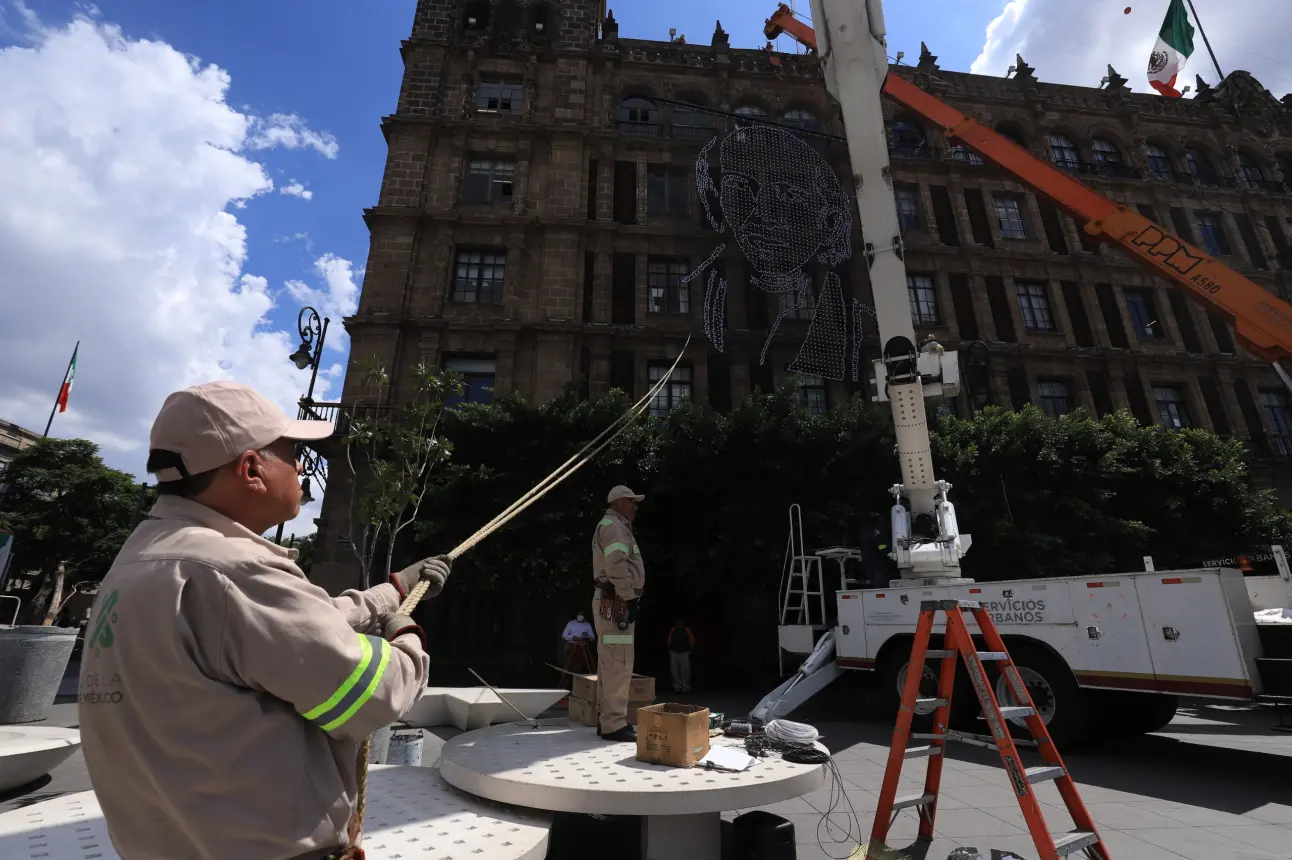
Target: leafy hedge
(1041, 497)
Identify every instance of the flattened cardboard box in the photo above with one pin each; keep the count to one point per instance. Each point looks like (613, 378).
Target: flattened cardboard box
(586, 713)
(640, 689)
(674, 735)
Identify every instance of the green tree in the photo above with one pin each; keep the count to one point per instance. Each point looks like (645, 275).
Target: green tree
(1041, 497)
(392, 452)
(64, 505)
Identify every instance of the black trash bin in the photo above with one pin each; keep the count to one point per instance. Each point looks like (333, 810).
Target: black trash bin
(760, 835)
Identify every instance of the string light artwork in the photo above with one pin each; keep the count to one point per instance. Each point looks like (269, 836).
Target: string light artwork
(859, 310)
(786, 210)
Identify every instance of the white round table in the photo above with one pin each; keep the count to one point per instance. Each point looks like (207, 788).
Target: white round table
(567, 768)
(412, 815)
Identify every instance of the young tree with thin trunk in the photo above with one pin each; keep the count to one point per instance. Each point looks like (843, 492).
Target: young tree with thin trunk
(392, 451)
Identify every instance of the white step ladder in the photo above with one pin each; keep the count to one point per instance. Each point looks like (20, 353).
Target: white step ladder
(802, 583)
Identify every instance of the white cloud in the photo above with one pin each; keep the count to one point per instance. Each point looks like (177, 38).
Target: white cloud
(1073, 43)
(289, 131)
(120, 163)
(296, 189)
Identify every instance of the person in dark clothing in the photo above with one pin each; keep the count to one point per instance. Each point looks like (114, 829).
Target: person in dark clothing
(681, 641)
(874, 552)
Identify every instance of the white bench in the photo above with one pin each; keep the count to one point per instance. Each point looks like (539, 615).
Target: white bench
(29, 752)
(413, 814)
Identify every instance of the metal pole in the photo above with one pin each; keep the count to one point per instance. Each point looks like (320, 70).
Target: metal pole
(1205, 41)
(318, 356)
(54, 408)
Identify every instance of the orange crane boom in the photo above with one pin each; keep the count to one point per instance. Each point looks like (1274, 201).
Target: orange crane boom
(1262, 321)
(784, 22)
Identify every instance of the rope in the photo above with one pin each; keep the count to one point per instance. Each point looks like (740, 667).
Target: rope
(354, 830)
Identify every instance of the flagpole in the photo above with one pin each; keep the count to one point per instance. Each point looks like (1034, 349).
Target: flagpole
(1206, 41)
(54, 408)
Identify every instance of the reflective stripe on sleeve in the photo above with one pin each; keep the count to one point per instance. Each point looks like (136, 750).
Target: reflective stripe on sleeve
(606, 521)
(357, 689)
(617, 546)
(616, 638)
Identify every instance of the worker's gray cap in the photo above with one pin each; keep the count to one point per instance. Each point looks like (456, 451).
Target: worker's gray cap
(211, 425)
(622, 492)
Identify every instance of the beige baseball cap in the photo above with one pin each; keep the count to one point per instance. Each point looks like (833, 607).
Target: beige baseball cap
(622, 492)
(211, 425)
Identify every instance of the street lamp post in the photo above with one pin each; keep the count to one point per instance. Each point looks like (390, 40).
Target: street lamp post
(313, 332)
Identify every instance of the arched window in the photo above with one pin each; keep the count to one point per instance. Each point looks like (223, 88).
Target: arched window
(1200, 166)
(1063, 152)
(1159, 163)
(1253, 176)
(908, 140)
(801, 118)
(1011, 133)
(691, 124)
(960, 152)
(1106, 152)
(639, 117)
(751, 111)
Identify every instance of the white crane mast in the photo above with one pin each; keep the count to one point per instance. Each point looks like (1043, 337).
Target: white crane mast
(926, 541)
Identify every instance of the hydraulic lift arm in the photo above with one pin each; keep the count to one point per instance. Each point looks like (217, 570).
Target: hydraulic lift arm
(927, 544)
(1262, 322)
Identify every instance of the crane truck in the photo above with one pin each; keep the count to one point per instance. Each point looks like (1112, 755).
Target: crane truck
(1113, 651)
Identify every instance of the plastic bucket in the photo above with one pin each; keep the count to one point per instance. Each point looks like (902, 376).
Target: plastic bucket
(32, 662)
(380, 747)
(406, 748)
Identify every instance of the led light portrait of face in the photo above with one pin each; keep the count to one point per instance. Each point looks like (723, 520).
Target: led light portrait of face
(786, 210)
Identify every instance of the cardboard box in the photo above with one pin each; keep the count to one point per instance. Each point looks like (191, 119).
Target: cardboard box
(640, 689)
(586, 713)
(674, 735)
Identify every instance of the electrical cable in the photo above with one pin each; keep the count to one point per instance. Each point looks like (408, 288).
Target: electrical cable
(796, 743)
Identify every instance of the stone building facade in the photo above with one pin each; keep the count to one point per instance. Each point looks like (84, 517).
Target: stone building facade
(537, 213)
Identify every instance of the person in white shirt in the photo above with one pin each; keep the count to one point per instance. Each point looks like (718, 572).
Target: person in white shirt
(578, 631)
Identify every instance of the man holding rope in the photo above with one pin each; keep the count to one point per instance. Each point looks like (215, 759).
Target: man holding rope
(620, 574)
(223, 697)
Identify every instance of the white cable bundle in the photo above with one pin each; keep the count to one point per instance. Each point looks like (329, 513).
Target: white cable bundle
(798, 734)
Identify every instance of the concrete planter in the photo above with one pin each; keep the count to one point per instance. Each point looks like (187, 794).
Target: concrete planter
(32, 662)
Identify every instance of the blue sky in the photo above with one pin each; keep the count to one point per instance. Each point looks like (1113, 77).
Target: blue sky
(336, 64)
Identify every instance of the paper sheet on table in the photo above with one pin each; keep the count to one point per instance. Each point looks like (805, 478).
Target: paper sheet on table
(728, 758)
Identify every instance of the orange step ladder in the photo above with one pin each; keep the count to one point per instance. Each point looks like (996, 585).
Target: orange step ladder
(959, 644)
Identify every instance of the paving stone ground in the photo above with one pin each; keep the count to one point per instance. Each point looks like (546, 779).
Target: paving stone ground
(1216, 784)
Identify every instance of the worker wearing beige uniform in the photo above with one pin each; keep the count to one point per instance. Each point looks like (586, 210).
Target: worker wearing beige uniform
(620, 574)
(223, 697)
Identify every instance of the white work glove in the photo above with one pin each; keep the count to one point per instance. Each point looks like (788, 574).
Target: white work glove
(435, 570)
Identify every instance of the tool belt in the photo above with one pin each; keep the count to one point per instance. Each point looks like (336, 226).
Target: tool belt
(612, 607)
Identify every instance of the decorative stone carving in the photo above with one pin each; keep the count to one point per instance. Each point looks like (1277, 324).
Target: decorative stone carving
(928, 60)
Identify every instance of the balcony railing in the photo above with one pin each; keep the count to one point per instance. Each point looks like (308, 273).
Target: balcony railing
(919, 152)
(640, 129)
(1270, 185)
(1113, 170)
(339, 415)
(691, 132)
(1213, 181)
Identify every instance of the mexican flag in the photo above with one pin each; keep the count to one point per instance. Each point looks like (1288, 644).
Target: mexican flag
(66, 390)
(1173, 49)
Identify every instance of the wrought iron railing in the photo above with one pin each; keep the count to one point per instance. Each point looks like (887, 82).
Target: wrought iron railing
(640, 129)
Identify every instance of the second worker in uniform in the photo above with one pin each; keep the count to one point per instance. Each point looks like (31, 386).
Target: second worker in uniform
(620, 574)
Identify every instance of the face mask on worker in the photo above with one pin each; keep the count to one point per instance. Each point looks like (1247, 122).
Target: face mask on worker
(579, 618)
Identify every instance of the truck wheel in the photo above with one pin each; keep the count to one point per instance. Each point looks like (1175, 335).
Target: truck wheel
(891, 674)
(1059, 700)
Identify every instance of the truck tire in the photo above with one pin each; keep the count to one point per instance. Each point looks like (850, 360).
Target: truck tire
(891, 674)
(1059, 700)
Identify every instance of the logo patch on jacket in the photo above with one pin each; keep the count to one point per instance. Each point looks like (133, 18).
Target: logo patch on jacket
(103, 636)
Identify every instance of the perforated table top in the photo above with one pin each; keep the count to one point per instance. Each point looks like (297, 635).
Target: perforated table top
(412, 815)
(567, 768)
